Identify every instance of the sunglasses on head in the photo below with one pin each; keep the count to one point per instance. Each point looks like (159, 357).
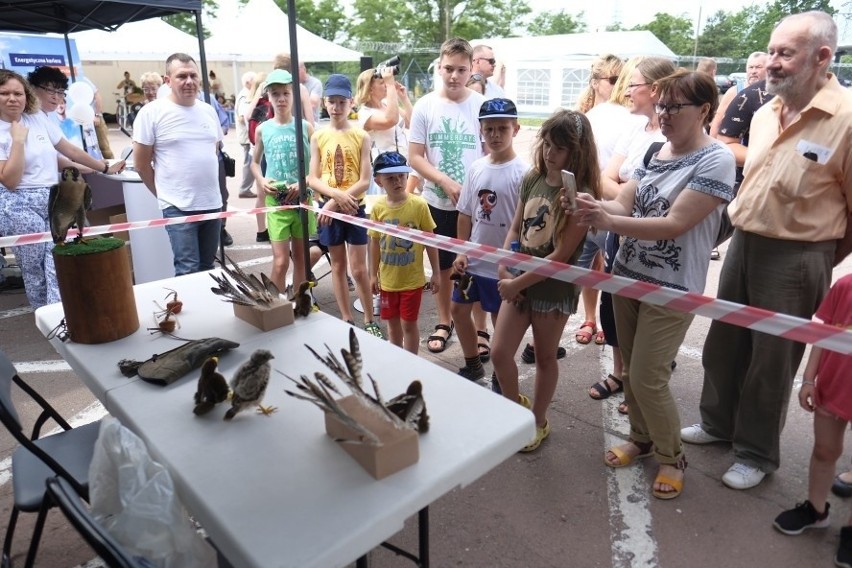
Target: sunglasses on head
(490, 60)
(612, 80)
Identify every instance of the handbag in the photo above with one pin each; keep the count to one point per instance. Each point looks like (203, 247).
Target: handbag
(726, 228)
(230, 165)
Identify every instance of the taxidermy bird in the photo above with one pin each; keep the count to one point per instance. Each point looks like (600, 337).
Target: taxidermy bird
(302, 298)
(249, 384)
(212, 387)
(237, 287)
(67, 204)
(410, 407)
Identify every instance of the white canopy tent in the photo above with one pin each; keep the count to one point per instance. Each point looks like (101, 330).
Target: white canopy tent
(547, 72)
(145, 40)
(260, 31)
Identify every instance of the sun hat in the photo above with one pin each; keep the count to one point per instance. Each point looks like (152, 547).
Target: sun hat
(278, 77)
(338, 85)
(390, 163)
(498, 108)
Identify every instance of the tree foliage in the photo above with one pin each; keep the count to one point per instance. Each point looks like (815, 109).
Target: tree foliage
(185, 21)
(674, 31)
(554, 23)
(324, 18)
(430, 22)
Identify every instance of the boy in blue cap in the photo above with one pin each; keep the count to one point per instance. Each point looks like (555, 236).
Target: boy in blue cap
(396, 264)
(340, 173)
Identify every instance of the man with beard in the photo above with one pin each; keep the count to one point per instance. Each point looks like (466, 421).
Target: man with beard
(175, 146)
(791, 228)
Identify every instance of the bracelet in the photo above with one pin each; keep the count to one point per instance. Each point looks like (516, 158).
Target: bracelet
(106, 168)
(812, 383)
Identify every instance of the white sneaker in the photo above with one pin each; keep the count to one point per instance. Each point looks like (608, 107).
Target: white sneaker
(696, 435)
(742, 476)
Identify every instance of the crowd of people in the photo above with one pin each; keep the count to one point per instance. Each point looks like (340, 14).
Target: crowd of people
(643, 179)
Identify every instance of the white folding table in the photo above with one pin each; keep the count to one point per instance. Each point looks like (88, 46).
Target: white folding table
(276, 491)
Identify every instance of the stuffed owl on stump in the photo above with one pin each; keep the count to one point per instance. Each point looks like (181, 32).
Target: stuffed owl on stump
(249, 384)
(67, 204)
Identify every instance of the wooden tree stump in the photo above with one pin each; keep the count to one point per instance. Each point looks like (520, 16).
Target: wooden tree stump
(97, 290)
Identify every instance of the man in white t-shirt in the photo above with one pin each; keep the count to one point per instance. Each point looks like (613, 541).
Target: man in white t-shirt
(175, 145)
(443, 143)
(314, 87)
(485, 64)
(240, 107)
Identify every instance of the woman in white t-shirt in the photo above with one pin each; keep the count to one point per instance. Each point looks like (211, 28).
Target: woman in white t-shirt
(29, 146)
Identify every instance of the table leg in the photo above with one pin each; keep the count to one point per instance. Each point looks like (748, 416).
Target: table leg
(363, 562)
(423, 521)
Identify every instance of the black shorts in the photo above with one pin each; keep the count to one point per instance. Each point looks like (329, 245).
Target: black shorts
(446, 225)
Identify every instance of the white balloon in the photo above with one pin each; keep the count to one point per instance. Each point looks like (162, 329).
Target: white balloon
(81, 92)
(81, 113)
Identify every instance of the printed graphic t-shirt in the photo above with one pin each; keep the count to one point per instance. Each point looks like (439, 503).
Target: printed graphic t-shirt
(340, 156)
(401, 261)
(450, 133)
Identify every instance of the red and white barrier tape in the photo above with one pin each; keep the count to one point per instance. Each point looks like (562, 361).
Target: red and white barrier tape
(773, 323)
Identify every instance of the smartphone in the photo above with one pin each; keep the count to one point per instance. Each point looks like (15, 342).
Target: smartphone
(570, 185)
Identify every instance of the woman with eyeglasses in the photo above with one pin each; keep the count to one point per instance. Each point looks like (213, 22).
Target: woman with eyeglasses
(29, 147)
(669, 213)
(151, 82)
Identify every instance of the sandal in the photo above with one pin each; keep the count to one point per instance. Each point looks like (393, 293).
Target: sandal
(600, 338)
(584, 337)
(623, 459)
(603, 389)
(441, 338)
(484, 346)
(623, 409)
(676, 484)
(528, 355)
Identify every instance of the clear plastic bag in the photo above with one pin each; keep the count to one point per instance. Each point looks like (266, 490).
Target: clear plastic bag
(134, 498)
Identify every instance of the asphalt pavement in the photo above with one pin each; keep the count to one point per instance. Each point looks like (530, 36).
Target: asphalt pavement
(557, 507)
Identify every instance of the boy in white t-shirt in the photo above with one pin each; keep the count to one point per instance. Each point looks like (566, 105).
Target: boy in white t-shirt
(443, 143)
(486, 206)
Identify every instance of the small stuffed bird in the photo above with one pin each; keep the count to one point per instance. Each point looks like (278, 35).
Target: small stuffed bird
(212, 388)
(303, 299)
(249, 384)
(67, 204)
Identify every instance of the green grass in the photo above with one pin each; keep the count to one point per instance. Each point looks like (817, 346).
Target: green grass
(92, 245)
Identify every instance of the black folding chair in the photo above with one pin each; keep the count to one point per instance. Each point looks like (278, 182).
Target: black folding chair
(66, 454)
(63, 495)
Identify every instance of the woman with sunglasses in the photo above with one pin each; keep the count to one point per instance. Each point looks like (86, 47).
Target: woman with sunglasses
(669, 213)
(29, 147)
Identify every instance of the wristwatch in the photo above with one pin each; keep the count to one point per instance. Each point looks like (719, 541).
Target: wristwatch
(106, 168)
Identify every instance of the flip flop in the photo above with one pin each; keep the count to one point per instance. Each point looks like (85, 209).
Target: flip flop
(484, 348)
(584, 337)
(603, 389)
(441, 338)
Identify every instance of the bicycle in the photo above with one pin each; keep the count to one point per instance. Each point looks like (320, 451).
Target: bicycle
(122, 115)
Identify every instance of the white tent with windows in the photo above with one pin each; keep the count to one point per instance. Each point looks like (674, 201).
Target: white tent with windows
(547, 72)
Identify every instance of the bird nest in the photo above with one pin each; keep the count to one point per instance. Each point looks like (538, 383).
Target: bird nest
(88, 246)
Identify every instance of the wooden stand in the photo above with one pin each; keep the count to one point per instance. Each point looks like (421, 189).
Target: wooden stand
(266, 319)
(399, 449)
(97, 295)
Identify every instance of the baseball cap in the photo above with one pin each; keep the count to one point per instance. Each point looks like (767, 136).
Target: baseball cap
(338, 85)
(390, 163)
(278, 77)
(498, 108)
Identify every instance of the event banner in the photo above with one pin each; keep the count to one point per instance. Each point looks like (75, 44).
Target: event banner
(22, 53)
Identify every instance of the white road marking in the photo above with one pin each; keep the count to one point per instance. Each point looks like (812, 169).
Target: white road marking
(15, 312)
(58, 366)
(631, 529)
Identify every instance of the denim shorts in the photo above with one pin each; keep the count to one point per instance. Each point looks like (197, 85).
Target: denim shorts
(339, 232)
(482, 290)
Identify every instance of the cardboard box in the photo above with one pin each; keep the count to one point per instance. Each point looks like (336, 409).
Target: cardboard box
(265, 319)
(123, 235)
(399, 449)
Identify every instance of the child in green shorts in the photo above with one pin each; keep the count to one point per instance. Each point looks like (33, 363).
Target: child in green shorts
(275, 139)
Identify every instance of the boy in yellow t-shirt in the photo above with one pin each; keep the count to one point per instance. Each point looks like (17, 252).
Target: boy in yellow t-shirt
(340, 173)
(396, 264)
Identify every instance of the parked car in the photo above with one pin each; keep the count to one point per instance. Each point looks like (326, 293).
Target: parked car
(723, 82)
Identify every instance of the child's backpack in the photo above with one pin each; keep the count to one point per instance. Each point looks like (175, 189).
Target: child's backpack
(261, 113)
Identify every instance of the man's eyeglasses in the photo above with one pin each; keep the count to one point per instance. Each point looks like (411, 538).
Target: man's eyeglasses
(52, 91)
(612, 80)
(490, 60)
(672, 109)
(634, 85)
